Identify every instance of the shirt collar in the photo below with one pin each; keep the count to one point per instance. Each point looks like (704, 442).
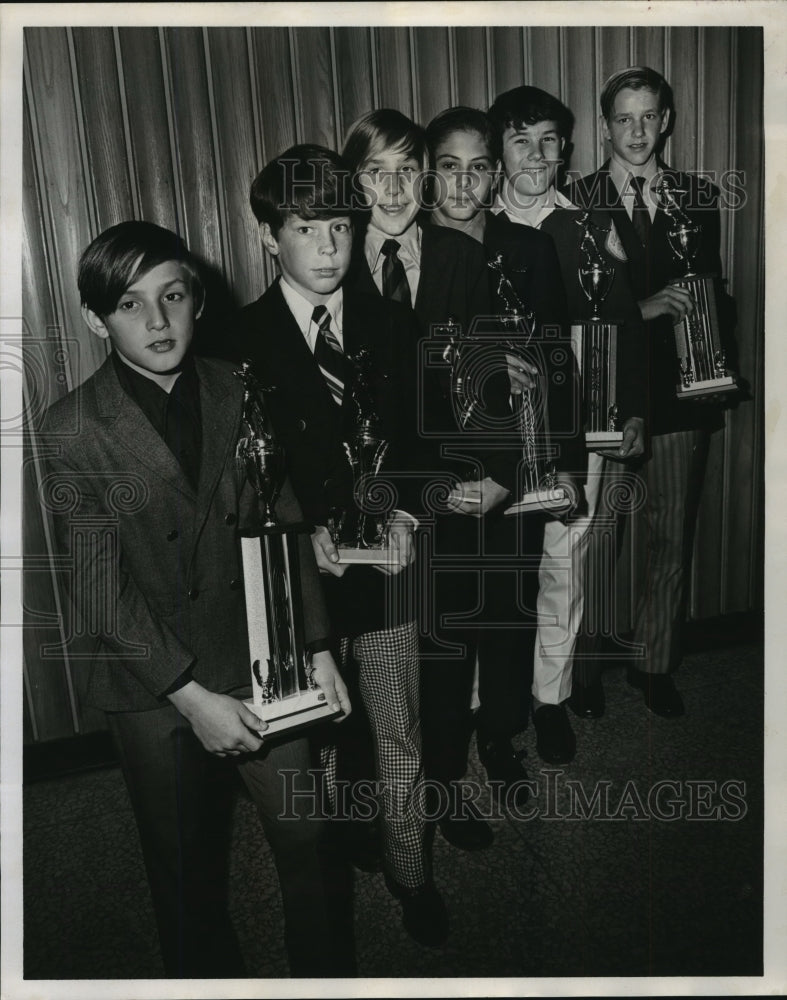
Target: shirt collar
(557, 200)
(621, 176)
(302, 309)
(409, 245)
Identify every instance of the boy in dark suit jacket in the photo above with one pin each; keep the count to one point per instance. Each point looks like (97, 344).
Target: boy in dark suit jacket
(636, 115)
(462, 143)
(153, 453)
(531, 129)
(304, 334)
(444, 274)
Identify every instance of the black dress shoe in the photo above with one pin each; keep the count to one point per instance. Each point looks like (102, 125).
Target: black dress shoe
(424, 915)
(506, 765)
(555, 740)
(661, 697)
(587, 702)
(464, 827)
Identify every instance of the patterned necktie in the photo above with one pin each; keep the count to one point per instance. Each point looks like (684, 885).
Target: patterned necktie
(640, 216)
(328, 353)
(394, 278)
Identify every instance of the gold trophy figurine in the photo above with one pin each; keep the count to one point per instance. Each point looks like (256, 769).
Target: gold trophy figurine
(595, 344)
(702, 364)
(283, 692)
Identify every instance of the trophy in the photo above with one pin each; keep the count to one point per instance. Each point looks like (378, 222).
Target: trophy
(702, 364)
(359, 530)
(595, 345)
(455, 355)
(541, 489)
(283, 692)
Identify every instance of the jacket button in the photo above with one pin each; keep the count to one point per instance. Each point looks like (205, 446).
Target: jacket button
(235, 584)
(230, 519)
(193, 593)
(172, 535)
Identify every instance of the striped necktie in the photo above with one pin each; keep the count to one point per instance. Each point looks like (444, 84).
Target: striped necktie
(395, 284)
(328, 353)
(640, 214)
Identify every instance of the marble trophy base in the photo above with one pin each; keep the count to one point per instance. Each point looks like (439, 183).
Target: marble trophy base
(601, 440)
(303, 709)
(349, 556)
(550, 499)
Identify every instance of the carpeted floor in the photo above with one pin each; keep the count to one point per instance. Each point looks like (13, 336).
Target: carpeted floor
(653, 878)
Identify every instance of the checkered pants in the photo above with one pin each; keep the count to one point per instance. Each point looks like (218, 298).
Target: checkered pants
(389, 679)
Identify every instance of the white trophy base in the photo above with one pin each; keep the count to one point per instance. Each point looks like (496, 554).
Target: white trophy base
(707, 386)
(601, 440)
(298, 710)
(367, 557)
(554, 499)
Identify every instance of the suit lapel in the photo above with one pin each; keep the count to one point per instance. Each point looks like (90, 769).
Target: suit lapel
(220, 408)
(612, 202)
(138, 434)
(290, 365)
(433, 279)
(360, 276)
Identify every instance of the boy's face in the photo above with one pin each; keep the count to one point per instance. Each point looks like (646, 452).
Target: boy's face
(388, 181)
(314, 254)
(531, 157)
(465, 175)
(153, 322)
(634, 126)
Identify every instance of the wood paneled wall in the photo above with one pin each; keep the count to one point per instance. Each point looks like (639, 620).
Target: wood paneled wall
(172, 124)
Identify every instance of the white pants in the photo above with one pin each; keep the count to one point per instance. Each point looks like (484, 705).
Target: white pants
(561, 594)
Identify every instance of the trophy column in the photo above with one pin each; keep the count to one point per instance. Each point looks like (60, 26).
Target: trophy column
(702, 365)
(283, 693)
(595, 345)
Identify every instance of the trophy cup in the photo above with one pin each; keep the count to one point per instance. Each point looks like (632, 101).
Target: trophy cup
(541, 489)
(359, 531)
(283, 692)
(595, 345)
(702, 364)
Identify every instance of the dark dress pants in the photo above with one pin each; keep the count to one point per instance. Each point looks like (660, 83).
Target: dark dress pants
(182, 798)
(481, 588)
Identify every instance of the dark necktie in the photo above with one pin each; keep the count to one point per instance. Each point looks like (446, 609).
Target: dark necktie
(640, 215)
(394, 278)
(328, 353)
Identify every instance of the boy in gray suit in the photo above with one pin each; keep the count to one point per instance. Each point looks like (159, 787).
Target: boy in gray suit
(153, 454)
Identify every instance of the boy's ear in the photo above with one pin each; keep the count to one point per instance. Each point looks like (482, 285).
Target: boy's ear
(604, 127)
(95, 323)
(269, 241)
(666, 114)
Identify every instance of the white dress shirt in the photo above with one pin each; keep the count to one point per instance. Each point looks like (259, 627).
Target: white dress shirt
(621, 178)
(409, 254)
(302, 310)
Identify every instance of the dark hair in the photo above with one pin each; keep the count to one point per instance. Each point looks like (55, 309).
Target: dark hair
(527, 106)
(635, 78)
(383, 129)
(458, 119)
(309, 181)
(124, 253)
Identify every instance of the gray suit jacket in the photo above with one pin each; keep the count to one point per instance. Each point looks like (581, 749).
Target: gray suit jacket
(156, 579)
